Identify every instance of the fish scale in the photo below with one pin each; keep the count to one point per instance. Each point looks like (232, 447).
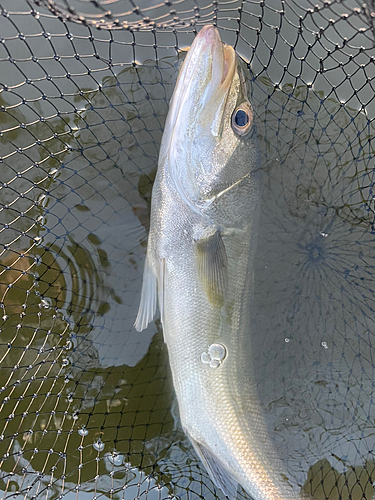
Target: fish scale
(204, 212)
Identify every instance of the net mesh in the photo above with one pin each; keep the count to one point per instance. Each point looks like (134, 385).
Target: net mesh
(87, 407)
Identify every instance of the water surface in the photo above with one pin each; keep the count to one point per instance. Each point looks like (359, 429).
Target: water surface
(87, 406)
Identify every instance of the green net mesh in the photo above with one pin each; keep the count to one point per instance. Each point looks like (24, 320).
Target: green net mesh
(87, 407)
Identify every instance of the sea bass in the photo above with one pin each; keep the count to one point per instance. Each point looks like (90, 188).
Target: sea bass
(199, 268)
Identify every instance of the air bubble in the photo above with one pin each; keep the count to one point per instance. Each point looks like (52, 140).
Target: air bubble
(287, 340)
(115, 458)
(98, 445)
(53, 172)
(65, 362)
(215, 355)
(42, 200)
(214, 363)
(325, 345)
(205, 358)
(83, 431)
(217, 351)
(45, 303)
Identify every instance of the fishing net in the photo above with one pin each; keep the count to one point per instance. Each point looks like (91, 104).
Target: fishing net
(87, 407)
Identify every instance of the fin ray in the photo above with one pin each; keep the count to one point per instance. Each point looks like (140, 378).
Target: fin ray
(213, 264)
(161, 290)
(147, 306)
(219, 474)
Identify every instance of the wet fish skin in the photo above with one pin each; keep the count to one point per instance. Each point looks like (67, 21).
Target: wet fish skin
(204, 213)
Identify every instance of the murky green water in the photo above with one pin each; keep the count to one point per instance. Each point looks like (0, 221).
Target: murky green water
(87, 407)
(86, 401)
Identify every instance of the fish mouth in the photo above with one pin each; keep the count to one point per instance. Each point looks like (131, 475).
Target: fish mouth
(207, 72)
(222, 55)
(222, 60)
(201, 90)
(209, 54)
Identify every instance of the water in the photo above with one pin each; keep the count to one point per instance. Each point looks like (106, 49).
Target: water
(87, 405)
(77, 380)
(314, 293)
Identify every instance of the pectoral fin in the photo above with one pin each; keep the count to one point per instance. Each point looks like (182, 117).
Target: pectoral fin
(213, 265)
(147, 306)
(218, 472)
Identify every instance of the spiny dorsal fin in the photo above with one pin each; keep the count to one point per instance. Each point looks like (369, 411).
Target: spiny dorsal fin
(213, 265)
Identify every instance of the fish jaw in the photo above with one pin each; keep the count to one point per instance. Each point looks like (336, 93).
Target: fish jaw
(207, 71)
(196, 111)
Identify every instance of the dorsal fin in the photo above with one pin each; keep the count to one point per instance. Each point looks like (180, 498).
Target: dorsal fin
(147, 307)
(161, 290)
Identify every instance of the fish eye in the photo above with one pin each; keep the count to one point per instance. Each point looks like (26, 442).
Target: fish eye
(242, 118)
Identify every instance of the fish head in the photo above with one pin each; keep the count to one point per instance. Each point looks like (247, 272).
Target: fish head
(209, 140)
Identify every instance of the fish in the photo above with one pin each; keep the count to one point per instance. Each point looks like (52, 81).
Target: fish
(199, 268)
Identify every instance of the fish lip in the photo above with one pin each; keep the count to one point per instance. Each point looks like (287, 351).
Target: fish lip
(209, 33)
(207, 44)
(211, 41)
(229, 62)
(208, 68)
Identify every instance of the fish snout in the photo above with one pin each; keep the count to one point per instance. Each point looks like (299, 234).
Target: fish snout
(209, 34)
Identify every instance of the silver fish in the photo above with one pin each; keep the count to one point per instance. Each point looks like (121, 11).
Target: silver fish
(199, 268)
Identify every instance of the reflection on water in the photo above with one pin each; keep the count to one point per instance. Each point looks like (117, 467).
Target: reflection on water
(324, 481)
(87, 405)
(314, 291)
(89, 430)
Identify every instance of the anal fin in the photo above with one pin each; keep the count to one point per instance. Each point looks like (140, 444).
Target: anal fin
(219, 474)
